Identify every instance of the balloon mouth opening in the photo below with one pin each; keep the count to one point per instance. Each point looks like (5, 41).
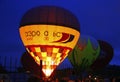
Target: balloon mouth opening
(51, 56)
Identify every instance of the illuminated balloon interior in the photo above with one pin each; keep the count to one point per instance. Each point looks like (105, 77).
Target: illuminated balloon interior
(51, 56)
(49, 33)
(51, 45)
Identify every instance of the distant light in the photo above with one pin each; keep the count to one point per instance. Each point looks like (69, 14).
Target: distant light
(95, 78)
(89, 76)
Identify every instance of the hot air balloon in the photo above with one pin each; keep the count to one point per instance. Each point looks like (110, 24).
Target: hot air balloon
(105, 56)
(49, 33)
(30, 65)
(84, 54)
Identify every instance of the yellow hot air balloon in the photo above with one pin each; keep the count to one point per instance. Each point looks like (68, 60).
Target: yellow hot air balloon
(49, 33)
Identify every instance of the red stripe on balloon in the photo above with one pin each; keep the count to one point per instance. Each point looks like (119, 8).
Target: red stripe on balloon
(63, 38)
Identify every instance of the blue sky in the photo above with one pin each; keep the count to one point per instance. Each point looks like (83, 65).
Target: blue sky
(98, 18)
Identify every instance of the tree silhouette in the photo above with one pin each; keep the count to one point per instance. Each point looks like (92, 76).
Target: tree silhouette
(2, 69)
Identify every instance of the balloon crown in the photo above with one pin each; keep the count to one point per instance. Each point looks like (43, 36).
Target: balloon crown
(50, 15)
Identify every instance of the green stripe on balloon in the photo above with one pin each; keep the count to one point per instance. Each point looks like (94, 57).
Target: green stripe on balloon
(81, 59)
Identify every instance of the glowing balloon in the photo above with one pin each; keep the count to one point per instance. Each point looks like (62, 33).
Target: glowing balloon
(85, 52)
(49, 33)
(105, 56)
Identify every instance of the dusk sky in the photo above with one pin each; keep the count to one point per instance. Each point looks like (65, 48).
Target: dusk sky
(98, 18)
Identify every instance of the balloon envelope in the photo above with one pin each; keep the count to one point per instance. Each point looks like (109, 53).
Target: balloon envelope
(85, 52)
(29, 64)
(49, 33)
(105, 56)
